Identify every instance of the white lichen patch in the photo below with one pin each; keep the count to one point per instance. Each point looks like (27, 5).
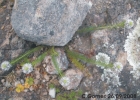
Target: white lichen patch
(110, 77)
(132, 47)
(136, 72)
(5, 65)
(103, 58)
(27, 68)
(138, 21)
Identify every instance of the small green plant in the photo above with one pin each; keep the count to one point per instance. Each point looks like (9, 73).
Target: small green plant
(29, 80)
(94, 28)
(54, 54)
(39, 59)
(51, 85)
(79, 65)
(57, 90)
(82, 57)
(72, 95)
(26, 54)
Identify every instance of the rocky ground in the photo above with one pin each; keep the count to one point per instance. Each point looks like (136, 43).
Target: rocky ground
(110, 42)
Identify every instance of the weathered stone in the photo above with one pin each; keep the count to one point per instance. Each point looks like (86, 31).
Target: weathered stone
(71, 79)
(52, 92)
(49, 22)
(61, 60)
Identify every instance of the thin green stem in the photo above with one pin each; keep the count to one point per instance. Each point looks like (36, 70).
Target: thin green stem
(13, 62)
(93, 28)
(39, 59)
(54, 54)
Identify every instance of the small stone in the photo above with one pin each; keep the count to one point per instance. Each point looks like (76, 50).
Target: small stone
(19, 71)
(46, 77)
(61, 60)
(25, 90)
(38, 76)
(16, 83)
(3, 80)
(47, 59)
(52, 92)
(7, 84)
(31, 88)
(22, 81)
(43, 81)
(37, 72)
(36, 81)
(44, 65)
(71, 79)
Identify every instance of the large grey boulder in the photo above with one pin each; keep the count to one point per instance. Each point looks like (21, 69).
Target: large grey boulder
(49, 22)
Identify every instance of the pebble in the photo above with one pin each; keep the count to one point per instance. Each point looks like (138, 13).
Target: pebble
(71, 79)
(36, 81)
(52, 92)
(16, 83)
(25, 90)
(22, 81)
(43, 81)
(31, 88)
(38, 76)
(3, 80)
(46, 77)
(44, 65)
